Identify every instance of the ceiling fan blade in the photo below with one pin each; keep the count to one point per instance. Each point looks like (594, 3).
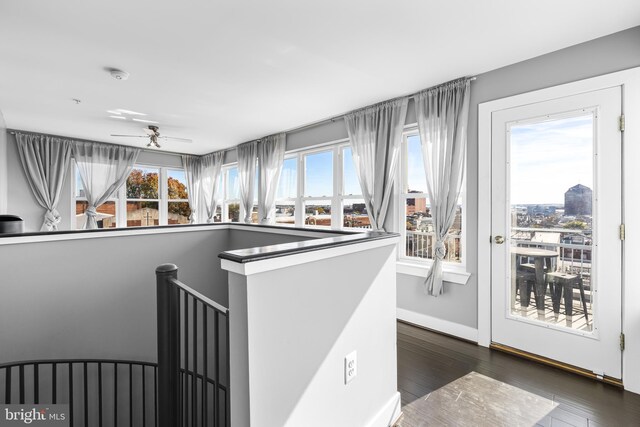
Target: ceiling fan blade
(176, 139)
(132, 136)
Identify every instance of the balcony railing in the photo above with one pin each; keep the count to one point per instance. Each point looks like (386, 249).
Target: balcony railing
(421, 244)
(572, 258)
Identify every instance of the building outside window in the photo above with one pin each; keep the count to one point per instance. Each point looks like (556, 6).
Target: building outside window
(416, 223)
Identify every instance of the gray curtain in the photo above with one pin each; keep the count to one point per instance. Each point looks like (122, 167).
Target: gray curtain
(270, 160)
(247, 154)
(442, 113)
(103, 169)
(193, 171)
(376, 136)
(211, 169)
(45, 161)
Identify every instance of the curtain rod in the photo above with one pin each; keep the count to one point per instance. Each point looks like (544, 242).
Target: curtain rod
(340, 116)
(296, 129)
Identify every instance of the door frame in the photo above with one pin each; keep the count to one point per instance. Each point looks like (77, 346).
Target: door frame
(629, 80)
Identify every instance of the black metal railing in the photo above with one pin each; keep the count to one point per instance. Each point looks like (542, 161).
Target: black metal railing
(193, 355)
(98, 391)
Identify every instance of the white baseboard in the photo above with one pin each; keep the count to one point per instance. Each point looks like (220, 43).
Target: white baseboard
(388, 414)
(444, 326)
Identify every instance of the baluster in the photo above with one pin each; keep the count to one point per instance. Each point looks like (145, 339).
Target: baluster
(70, 394)
(7, 386)
(86, 396)
(205, 362)
(100, 394)
(36, 383)
(194, 381)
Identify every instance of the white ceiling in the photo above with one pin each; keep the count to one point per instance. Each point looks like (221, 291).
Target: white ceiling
(225, 72)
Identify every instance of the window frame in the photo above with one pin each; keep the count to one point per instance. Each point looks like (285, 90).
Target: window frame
(121, 198)
(166, 194)
(162, 195)
(401, 187)
(336, 199)
(225, 201)
(291, 201)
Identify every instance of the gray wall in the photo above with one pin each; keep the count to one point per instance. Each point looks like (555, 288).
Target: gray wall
(601, 56)
(605, 55)
(3, 165)
(96, 297)
(459, 303)
(241, 239)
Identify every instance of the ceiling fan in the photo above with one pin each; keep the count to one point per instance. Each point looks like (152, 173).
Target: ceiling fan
(153, 135)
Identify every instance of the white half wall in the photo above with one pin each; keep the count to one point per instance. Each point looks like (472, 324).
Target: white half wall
(299, 323)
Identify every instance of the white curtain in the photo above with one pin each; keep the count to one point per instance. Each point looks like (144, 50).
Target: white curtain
(193, 172)
(247, 153)
(103, 169)
(45, 161)
(442, 113)
(211, 169)
(270, 160)
(376, 136)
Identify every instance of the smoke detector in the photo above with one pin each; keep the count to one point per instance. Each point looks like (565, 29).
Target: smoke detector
(118, 74)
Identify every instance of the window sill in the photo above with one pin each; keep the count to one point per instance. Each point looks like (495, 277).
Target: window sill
(450, 275)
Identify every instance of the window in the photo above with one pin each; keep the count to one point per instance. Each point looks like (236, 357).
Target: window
(287, 193)
(231, 198)
(143, 200)
(318, 188)
(151, 196)
(107, 212)
(416, 224)
(178, 210)
(354, 210)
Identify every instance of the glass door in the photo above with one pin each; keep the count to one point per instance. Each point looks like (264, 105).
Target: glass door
(556, 203)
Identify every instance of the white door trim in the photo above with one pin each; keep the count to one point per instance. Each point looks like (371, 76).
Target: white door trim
(630, 82)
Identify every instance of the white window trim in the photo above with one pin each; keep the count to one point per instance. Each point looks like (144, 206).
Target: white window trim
(121, 198)
(225, 202)
(452, 272)
(336, 199)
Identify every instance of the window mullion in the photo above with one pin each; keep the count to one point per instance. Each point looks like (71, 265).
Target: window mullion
(163, 193)
(336, 203)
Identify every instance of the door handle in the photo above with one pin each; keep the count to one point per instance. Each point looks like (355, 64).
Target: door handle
(499, 240)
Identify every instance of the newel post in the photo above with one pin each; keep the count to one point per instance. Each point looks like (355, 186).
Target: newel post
(168, 301)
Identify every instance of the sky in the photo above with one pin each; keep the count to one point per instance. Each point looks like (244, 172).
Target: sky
(416, 178)
(548, 158)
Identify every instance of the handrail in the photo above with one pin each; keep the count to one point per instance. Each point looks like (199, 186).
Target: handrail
(63, 361)
(205, 300)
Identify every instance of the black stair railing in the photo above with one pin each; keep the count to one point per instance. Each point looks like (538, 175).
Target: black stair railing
(98, 391)
(193, 355)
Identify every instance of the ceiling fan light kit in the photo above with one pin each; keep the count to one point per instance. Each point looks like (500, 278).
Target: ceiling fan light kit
(118, 74)
(152, 132)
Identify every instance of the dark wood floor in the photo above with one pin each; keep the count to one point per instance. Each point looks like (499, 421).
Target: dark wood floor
(428, 361)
